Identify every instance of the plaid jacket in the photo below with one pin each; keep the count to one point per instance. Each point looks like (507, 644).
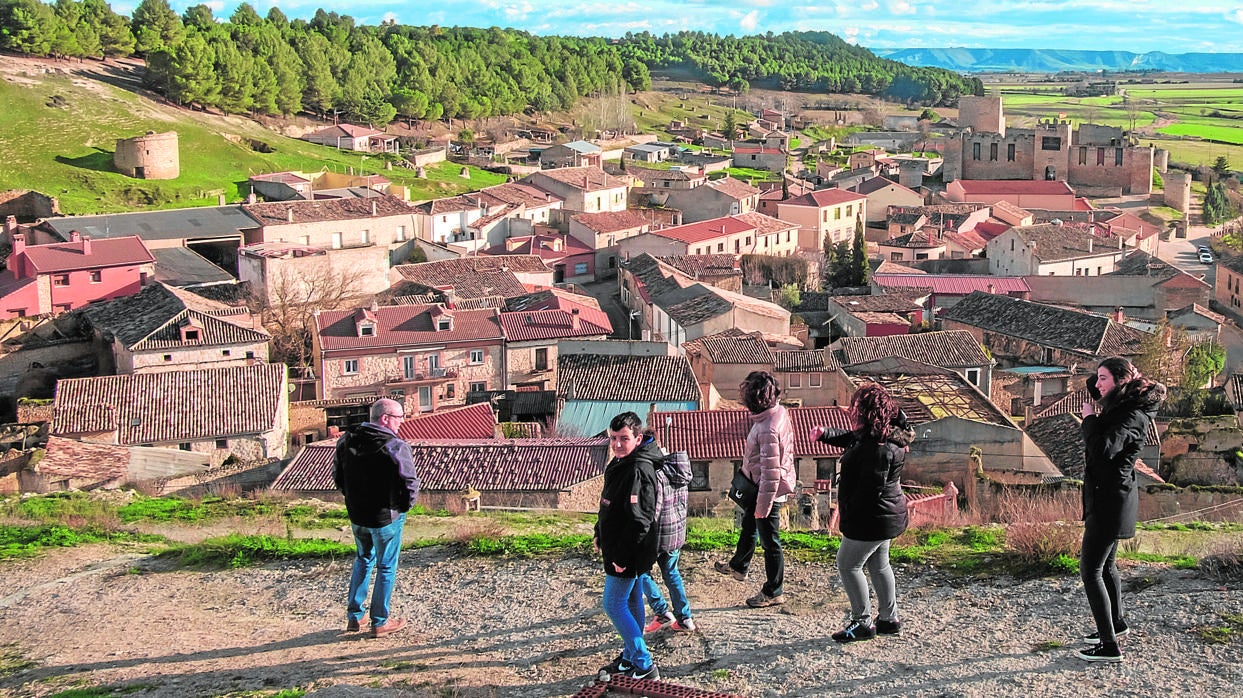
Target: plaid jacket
(673, 478)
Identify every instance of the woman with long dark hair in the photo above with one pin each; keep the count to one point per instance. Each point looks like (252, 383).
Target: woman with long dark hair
(872, 507)
(1115, 425)
(767, 461)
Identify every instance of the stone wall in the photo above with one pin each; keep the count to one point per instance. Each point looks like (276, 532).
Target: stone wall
(149, 156)
(191, 358)
(27, 205)
(981, 114)
(1178, 190)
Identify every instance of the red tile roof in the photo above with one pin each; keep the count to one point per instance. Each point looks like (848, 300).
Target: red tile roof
(475, 277)
(173, 406)
(706, 230)
(722, 434)
(585, 178)
(105, 252)
(406, 326)
(475, 421)
(1014, 186)
(950, 349)
(612, 221)
(733, 188)
(733, 346)
(807, 360)
(528, 465)
(525, 325)
(83, 461)
(825, 197)
(953, 284)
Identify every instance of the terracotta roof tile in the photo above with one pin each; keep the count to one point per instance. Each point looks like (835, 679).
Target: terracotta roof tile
(1015, 186)
(952, 284)
(279, 212)
(475, 277)
(733, 188)
(928, 393)
(804, 360)
(701, 265)
(150, 319)
(1058, 242)
(472, 422)
(612, 221)
(626, 378)
(525, 465)
(950, 349)
(733, 346)
(173, 406)
(525, 325)
(1047, 325)
(70, 256)
(83, 461)
(585, 178)
(825, 197)
(722, 434)
(406, 326)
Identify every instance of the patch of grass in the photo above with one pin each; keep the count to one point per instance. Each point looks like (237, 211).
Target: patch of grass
(529, 545)
(1215, 635)
(396, 664)
(1048, 646)
(280, 693)
(28, 541)
(12, 661)
(236, 550)
(721, 674)
(1179, 562)
(93, 691)
(747, 174)
(984, 539)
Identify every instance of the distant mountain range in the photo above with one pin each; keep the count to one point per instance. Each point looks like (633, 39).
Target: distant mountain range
(1035, 60)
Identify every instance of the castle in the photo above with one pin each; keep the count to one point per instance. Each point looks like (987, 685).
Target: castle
(1095, 159)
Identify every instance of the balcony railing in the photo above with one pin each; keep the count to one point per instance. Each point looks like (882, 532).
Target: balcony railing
(428, 376)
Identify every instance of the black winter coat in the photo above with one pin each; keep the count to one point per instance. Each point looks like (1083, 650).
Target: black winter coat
(374, 469)
(626, 529)
(869, 493)
(1112, 441)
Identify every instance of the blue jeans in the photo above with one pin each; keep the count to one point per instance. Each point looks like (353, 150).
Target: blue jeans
(768, 531)
(673, 579)
(381, 548)
(623, 604)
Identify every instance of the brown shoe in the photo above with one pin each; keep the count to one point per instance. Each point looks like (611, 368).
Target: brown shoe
(352, 626)
(725, 569)
(762, 600)
(390, 626)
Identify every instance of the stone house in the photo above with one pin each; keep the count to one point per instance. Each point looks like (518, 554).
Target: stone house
(59, 277)
(168, 329)
(810, 377)
(285, 273)
(594, 387)
(533, 325)
(71, 465)
(824, 214)
(1050, 249)
(352, 137)
(760, 157)
(582, 189)
(715, 440)
(428, 356)
(717, 198)
(925, 243)
(1018, 332)
(572, 154)
(674, 308)
(746, 233)
(721, 361)
(1226, 286)
(878, 315)
(447, 220)
(953, 349)
(603, 231)
(882, 193)
(240, 410)
(335, 224)
(648, 152)
(950, 417)
(1140, 286)
(720, 270)
(571, 260)
(653, 186)
(562, 474)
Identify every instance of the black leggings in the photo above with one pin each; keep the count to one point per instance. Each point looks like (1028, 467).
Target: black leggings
(1101, 582)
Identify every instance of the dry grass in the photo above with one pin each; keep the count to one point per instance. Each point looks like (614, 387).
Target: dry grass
(1224, 561)
(1040, 527)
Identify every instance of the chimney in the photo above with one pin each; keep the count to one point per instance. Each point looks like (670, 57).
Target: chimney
(251, 198)
(373, 208)
(289, 214)
(75, 236)
(10, 224)
(18, 254)
(992, 288)
(220, 200)
(1119, 316)
(86, 246)
(574, 320)
(1037, 392)
(1090, 241)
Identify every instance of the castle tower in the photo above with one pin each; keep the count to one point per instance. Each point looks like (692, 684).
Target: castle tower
(149, 156)
(1178, 190)
(981, 114)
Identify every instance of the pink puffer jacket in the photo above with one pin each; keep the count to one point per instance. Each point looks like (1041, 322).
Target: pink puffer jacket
(768, 458)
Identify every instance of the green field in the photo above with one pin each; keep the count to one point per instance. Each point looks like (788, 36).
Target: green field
(1203, 120)
(59, 135)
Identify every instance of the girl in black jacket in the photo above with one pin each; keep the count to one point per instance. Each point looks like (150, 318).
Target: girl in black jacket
(872, 507)
(1114, 430)
(627, 536)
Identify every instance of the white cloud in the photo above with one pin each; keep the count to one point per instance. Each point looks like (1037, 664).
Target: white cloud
(1235, 16)
(750, 21)
(216, 7)
(869, 5)
(902, 7)
(390, 17)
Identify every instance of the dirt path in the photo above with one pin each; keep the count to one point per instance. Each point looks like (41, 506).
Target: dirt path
(103, 617)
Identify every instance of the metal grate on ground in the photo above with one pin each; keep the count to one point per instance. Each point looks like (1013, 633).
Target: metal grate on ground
(626, 686)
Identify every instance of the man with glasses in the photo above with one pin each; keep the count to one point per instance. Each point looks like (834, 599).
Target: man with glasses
(374, 469)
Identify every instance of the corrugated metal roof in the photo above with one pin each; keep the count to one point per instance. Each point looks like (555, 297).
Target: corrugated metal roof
(531, 465)
(717, 434)
(205, 222)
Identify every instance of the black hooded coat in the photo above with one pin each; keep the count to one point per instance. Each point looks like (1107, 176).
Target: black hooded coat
(1112, 441)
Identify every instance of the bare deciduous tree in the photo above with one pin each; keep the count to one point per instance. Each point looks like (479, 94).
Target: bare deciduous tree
(293, 294)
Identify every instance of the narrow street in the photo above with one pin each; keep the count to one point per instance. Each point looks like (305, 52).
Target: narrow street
(610, 302)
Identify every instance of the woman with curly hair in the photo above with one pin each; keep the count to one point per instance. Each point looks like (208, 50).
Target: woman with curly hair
(871, 505)
(768, 461)
(1115, 425)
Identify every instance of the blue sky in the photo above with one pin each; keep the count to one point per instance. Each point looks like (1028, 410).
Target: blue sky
(1119, 25)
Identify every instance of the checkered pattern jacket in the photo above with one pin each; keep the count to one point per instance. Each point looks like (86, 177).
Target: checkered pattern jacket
(673, 479)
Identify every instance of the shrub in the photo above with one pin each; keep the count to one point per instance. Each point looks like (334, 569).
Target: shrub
(1224, 562)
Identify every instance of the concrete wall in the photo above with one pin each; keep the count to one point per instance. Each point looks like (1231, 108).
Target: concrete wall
(150, 156)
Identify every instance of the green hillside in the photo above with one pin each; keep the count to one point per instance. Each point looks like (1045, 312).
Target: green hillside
(60, 132)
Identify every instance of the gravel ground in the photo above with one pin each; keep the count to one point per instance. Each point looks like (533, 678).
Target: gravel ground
(97, 616)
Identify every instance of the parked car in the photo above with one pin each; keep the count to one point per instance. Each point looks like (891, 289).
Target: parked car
(1206, 257)
(1203, 248)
